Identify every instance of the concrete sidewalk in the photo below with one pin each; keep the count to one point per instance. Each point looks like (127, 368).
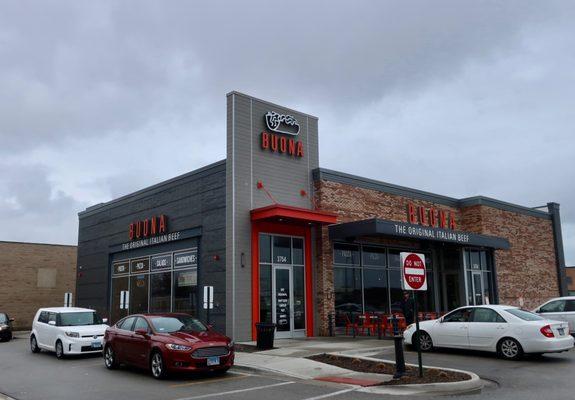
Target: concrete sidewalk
(289, 358)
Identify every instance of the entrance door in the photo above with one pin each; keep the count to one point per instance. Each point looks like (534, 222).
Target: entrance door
(288, 301)
(476, 288)
(282, 299)
(119, 285)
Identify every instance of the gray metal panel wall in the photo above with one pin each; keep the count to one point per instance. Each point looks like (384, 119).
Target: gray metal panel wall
(196, 199)
(284, 177)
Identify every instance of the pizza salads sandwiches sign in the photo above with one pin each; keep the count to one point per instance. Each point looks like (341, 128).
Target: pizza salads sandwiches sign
(282, 135)
(413, 271)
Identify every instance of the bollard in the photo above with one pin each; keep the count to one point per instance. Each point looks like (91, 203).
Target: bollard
(398, 342)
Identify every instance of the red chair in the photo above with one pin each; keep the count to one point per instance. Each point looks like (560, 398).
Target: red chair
(368, 323)
(384, 323)
(349, 324)
(421, 315)
(430, 315)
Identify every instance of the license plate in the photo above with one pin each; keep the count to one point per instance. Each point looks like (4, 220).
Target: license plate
(96, 345)
(213, 361)
(561, 331)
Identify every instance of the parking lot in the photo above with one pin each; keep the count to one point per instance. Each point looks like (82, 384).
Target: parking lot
(24, 375)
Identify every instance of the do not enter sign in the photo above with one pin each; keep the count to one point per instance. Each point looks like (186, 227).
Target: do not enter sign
(413, 271)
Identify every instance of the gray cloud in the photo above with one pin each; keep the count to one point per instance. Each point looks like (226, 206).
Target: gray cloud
(460, 98)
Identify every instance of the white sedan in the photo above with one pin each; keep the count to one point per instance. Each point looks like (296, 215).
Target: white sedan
(507, 330)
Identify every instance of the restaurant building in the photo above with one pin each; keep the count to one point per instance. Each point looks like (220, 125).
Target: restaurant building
(282, 240)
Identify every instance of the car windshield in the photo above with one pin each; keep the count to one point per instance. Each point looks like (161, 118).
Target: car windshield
(3, 318)
(524, 315)
(179, 323)
(80, 319)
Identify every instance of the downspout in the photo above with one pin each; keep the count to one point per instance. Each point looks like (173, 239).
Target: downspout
(558, 240)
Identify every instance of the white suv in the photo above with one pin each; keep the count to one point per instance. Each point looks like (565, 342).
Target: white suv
(67, 331)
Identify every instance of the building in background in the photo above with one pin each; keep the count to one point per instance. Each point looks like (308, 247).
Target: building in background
(570, 280)
(282, 240)
(35, 275)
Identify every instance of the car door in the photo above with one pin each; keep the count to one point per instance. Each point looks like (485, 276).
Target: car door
(122, 339)
(138, 346)
(486, 326)
(451, 330)
(52, 330)
(553, 310)
(41, 328)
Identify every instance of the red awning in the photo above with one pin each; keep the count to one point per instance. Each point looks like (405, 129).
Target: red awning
(281, 213)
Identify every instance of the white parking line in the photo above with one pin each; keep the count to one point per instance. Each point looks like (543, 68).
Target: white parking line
(205, 396)
(325, 396)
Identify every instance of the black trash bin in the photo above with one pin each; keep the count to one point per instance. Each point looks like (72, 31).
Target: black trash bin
(265, 335)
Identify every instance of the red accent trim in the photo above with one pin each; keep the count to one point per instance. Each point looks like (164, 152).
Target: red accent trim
(292, 213)
(281, 229)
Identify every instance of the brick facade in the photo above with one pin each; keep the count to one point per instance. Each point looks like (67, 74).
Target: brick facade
(34, 276)
(528, 269)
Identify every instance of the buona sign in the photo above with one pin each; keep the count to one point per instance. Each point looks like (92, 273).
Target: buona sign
(275, 141)
(430, 217)
(148, 227)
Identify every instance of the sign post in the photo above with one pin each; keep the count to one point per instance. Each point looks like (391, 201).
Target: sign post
(208, 301)
(414, 278)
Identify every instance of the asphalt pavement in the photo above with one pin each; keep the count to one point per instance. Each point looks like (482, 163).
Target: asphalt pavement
(549, 377)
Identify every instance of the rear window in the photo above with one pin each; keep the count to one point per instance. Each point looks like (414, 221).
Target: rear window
(524, 315)
(80, 319)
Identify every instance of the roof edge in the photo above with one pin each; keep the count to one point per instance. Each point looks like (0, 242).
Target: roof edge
(101, 206)
(270, 103)
(367, 183)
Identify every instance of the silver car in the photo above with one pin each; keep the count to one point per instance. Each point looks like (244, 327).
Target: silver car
(559, 309)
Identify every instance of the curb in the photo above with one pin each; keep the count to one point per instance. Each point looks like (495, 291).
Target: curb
(473, 385)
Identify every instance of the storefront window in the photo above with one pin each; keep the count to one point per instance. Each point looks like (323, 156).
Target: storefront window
(185, 290)
(297, 251)
(347, 286)
(160, 292)
(375, 290)
(265, 248)
(282, 250)
(345, 254)
(373, 256)
(139, 294)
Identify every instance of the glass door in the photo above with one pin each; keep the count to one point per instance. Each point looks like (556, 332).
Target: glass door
(477, 288)
(283, 299)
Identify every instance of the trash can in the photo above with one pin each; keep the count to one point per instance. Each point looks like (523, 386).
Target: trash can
(265, 335)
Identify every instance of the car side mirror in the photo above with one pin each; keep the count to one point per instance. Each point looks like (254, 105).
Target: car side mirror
(53, 323)
(141, 332)
(105, 320)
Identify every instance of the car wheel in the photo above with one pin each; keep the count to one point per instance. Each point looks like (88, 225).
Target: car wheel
(510, 349)
(157, 365)
(34, 345)
(110, 358)
(424, 342)
(59, 350)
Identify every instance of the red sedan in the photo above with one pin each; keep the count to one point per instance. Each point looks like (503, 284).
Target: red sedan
(165, 343)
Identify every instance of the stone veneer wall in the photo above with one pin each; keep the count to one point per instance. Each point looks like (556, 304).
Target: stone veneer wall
(527, 270)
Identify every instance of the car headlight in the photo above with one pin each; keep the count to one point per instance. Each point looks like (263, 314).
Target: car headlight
(73, 334)
(409, 327)
(178, 347)
(231, 345)
(2, 327)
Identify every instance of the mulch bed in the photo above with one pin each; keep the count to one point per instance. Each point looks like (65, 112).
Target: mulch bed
(381, 367)
(247, 348)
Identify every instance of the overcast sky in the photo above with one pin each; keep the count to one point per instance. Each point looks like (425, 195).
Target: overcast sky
(101, 98)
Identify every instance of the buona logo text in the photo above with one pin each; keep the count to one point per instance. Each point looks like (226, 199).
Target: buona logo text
(430, 217)
(148, 227)
(284, 125)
